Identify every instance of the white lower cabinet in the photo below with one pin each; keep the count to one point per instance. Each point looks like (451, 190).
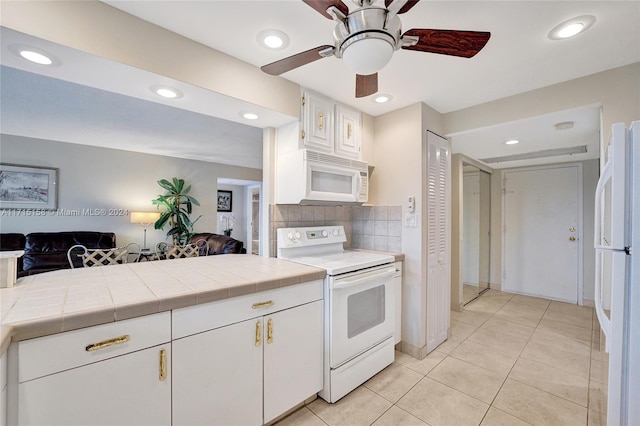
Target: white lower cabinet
(3, 389)
(293, 358)
(103, 375)
(261, 355)
(397, 284)
(217, 377)
(239, 361)
(126, 390)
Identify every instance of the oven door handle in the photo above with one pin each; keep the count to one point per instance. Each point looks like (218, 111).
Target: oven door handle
(363, 278)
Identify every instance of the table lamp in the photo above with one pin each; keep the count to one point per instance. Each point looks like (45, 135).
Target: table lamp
(145, 219)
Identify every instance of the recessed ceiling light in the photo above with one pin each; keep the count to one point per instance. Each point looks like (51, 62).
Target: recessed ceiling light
(273, 39)
(380, 99)
(512, 142)
(35, 55)
(250, 115)
(572, 27)
(166, 92)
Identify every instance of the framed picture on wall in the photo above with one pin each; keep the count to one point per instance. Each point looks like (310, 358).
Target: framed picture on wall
(28, 187)
(225, 199)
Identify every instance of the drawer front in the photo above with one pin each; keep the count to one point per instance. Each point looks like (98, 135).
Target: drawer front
(200, 318)
(51, 354)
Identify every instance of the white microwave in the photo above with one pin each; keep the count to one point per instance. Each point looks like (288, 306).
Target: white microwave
(309, 177)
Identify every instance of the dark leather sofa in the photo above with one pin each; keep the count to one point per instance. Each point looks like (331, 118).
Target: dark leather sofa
(47, 251)
(219, 244)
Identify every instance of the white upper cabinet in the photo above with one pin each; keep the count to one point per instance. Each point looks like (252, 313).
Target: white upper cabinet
(317, 122)
(329, 127)
(348, 134)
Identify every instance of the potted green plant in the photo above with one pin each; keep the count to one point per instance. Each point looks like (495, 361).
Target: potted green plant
(179, 206)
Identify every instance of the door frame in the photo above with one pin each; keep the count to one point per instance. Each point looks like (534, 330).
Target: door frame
(580, 227)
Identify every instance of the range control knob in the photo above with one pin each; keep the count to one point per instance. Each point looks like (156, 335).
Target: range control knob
(324, 233)
(290, 235)
(297, 235)
(336, 232)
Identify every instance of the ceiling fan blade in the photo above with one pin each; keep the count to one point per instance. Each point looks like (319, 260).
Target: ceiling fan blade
(448, 42)
(366, 85)
(321, 6)
(295, 61)
(403, 9)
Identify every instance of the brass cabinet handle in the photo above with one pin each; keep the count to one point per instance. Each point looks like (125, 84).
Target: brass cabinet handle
(349, 130)
(321, 124)
(264, 304)
(258, 332)
(163, 365)
(107, 343)
(269, 330)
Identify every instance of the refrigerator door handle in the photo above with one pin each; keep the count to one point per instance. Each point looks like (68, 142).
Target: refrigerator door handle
(605, 322)
(605, 177)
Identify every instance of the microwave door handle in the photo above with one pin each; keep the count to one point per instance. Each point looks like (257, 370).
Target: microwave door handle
(605, 322)
(352, 283)
(604, 178)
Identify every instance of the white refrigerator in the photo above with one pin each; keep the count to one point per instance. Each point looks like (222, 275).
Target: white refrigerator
(617, 289)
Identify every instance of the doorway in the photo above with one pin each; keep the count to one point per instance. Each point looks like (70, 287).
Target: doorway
(542, 232)
(244, 218)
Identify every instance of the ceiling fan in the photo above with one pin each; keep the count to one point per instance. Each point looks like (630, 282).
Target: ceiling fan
(366, 38)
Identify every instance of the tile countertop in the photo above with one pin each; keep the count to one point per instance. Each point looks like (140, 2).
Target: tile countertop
(399, 257)
(69, 299)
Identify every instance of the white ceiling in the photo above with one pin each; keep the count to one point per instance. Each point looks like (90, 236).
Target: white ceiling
(519, 57)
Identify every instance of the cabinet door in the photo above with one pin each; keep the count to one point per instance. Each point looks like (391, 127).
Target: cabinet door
(317, 119)
(348, 136)
(293, 357)
(217, 376)
(126, 390)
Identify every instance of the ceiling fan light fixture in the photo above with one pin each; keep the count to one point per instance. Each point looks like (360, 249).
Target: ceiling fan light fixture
(367, 55)
(273, 39)
(572, 27)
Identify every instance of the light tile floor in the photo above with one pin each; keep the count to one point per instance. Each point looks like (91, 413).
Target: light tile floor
(512, 360)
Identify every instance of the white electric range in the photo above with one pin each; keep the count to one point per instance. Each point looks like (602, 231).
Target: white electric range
(359, 305)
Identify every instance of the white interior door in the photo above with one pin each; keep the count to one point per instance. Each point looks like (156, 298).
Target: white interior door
(542, 232)
(438, 193)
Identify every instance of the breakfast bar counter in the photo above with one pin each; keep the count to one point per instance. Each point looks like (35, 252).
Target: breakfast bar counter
(71, 299)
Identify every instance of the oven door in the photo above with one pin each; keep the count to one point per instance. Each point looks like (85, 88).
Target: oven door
(361, 312)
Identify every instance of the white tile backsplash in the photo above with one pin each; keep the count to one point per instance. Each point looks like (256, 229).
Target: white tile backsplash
(366, 227)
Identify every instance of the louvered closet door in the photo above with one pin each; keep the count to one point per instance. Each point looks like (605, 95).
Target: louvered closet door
(438, 239)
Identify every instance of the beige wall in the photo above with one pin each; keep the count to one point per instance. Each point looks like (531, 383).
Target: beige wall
(617, 90)
(101, 178)
(99, 29)
(399, 144)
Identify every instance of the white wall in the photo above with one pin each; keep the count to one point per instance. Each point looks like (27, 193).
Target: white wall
(100, 178)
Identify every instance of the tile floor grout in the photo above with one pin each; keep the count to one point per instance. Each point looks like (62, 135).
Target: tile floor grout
(360, 401)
